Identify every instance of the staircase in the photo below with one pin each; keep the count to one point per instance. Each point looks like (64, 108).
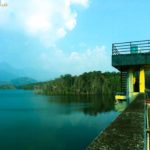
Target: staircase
(123, 81)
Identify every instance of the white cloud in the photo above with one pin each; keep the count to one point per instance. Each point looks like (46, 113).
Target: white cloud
(81, 2)
(61, 32)
(49, 20)
(77, 62)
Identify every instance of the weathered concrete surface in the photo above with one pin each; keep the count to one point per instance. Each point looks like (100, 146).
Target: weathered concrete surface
(126, 132)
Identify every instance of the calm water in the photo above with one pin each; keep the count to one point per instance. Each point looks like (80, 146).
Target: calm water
(35, 122)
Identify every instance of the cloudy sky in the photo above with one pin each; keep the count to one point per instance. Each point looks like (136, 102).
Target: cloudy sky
(47, 38)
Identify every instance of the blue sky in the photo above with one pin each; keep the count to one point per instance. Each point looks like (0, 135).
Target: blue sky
(47, 38)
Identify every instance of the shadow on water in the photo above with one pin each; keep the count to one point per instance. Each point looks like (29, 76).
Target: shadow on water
(90, 105)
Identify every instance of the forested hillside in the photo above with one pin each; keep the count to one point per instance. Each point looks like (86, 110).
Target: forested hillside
(88, 83)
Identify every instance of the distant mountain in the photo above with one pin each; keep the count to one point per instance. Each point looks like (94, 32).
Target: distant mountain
(4, 82)
(10, 76)
(22, 81)
(7, 72)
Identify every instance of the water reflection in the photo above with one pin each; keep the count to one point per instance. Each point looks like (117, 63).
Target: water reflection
(37, 122)
(121, 106)
(90, 105)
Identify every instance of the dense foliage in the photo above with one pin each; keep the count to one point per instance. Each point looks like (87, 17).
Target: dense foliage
(88, 83)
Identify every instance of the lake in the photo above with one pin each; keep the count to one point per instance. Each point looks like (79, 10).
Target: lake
(36, 122)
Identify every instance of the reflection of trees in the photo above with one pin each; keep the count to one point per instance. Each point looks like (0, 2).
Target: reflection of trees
(103, 103)
(95, 103)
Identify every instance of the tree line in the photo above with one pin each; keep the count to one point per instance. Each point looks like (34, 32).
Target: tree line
(89, 83)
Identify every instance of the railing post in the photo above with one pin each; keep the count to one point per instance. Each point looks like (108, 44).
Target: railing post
(112, 49)
(130, 47)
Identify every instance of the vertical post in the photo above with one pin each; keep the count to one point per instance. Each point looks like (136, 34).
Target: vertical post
(131, 89)
(142, 80)
(130, 84)
(121, 80)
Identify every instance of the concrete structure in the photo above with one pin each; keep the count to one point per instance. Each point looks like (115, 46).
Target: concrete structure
(126, 132)
(131, 59)
(130, 131)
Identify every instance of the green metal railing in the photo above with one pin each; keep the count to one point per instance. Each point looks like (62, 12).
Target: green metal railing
(134, 47)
